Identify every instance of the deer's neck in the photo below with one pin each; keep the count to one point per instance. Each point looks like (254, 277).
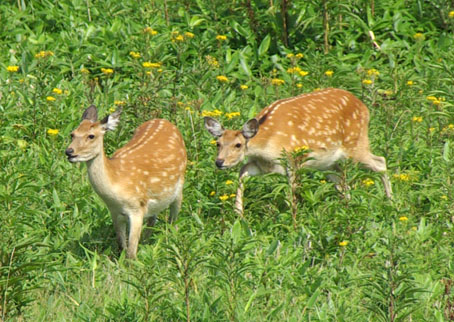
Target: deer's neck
(99, 176)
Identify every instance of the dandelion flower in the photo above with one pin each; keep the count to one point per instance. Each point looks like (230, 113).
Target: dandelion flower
(367, 81)
(148, 64)
(52, 132)
(44, 54)
(244, 87)
(213, 142)
(417, 119)
(303, 73)
(232, 195)
(224, 197)
(189, 34)
(221, 37)
(212, 193)
(179, 38)
(418, 36)
(12, 69)
(50, 98)
(228, 182)
(212, 61)
(290, 55)
(222, 78)
(299, 55)
(368, 182)
(444, 197)
(150, 31)
(107, 71)
(134, 54)
(329, 73)
(57, 91)
(403, 218)
(373, 72)
(277, 81)
(232, 115)
(85, 71)
(451, 14)
(343, 243)
(301, 148)
(410, 83)
(299, 85)
(119, 102)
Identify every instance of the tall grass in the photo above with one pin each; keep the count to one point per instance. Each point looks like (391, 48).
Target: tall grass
(358, 259)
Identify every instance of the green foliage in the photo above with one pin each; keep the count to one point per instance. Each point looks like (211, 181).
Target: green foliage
(355, 259)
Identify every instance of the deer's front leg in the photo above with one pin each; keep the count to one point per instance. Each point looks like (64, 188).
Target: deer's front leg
(135, 229)
(249, 169)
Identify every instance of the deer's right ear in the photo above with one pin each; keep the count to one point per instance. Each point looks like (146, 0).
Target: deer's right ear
(90, 114)
(213, 126)
(250, 128)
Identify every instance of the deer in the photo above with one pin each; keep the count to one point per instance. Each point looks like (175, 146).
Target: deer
(141, 179)
(331, 123)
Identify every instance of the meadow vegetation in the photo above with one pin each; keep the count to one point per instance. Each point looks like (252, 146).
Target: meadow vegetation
(360, 259)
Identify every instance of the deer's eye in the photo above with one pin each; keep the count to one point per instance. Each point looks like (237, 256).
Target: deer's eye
(218, 145)
(91, 136)
(238, 145)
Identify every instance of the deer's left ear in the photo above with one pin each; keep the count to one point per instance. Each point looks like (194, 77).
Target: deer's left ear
(110, 122)
(91, 114)
(250, 129)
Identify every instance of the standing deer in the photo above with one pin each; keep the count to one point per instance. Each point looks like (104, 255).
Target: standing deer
(332, 123)
(140, 180)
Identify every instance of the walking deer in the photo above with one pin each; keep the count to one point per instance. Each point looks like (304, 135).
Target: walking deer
(332, 123)
(141, 179)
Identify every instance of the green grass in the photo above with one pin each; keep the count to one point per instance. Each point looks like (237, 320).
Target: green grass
(58, 256)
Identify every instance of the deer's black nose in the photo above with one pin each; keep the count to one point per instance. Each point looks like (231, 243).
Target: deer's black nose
(219, 163)
(69, 151)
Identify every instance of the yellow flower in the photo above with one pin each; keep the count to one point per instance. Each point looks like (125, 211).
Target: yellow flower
(436, 102)
(299, 55)
(212, 61)
(134, 54)
(12, 69)
(232, 115)
(232, 195)
(322, 181)
(402, 177)
(119, 102)
(417, 119)
(189, 34)
(188, 108)
(85, 71)
(224, 197)
(148, 64)
(107, 71)
(244, 87)
(57, 91)
(403, 218)
(213, 142)
(52, 131)
(229, 182)
(418, 36)
(112, 109)
(214, 113)
(299, 85)
(373, 72)
(451, 14)
(179, 38)
(277, 81)
(44, 54)
(150, 31)
(303, 73)
(444, 197)
(301, 148)
(368, 182)
(431, 129)
(290, 55)
(329, 73)
(212, 193)
(367, 81)
(410, 83)
(221, 37)
(431, 98)
(343, 243)
(50, 98)
(222, 79)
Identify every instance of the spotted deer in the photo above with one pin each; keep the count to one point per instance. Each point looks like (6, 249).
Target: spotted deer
(141, 179)
(332, 123)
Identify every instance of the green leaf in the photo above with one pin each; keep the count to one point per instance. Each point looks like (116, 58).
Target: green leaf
(264, 46)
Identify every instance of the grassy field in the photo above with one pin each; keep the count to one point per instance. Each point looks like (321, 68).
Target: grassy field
(360, 259)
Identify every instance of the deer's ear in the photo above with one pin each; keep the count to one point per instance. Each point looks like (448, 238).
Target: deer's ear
(250, 129)
(213, 126)
(111, 121)
(91, 114)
